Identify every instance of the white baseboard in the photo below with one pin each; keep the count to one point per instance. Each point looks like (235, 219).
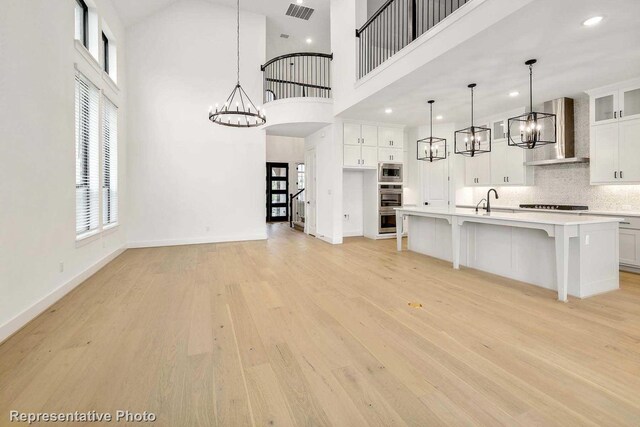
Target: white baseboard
(352, 234)
(15, 324)
(197, 240)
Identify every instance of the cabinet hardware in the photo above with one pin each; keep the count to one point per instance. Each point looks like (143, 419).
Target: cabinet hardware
(620, 174)
(615, 175)
(504, 179)
(615, 114)
(620, 113)
(362, 141)
(625, 222)
(507, 179)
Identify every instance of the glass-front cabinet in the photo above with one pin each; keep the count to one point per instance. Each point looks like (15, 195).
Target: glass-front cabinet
(630, 103)
(615, 103)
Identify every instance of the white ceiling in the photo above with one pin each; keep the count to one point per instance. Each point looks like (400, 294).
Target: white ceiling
(317, 27)
(571, 59)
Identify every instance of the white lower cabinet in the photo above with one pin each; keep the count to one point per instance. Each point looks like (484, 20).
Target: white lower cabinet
(630, 247)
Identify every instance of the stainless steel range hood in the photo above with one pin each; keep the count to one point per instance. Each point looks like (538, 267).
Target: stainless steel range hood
(563, 151)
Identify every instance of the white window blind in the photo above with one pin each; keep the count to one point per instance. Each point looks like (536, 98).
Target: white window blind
(87, 156)
(109, 163)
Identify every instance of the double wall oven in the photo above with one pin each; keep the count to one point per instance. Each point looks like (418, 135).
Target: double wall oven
(389, 195)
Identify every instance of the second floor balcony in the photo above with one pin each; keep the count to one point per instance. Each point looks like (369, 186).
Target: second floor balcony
(297, 75)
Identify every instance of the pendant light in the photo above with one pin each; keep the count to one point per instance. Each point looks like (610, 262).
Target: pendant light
(238, 110)
(430, 149)
(532, 129)
(473, 140)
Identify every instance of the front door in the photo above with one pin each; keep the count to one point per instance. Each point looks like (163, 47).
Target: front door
(277, 191)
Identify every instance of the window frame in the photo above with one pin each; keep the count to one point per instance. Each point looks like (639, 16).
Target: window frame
(85, 22)
(105, 54)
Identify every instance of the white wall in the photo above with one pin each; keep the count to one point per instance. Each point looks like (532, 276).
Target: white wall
(352, 203)
(190, 180)
(286, 149)
(37, 157)
(328, 145)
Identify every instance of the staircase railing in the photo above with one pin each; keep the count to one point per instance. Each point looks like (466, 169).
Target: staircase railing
(396, 24)
(296, 208)
(297, 75)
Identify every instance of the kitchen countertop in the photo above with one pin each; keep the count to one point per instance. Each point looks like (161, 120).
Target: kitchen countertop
(587, 212)
(523, 215)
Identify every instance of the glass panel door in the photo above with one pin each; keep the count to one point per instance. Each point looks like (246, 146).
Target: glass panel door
(277, 192)
(604, 108)
(630, 103)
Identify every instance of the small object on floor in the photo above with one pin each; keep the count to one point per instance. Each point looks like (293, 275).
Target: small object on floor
(415, 305)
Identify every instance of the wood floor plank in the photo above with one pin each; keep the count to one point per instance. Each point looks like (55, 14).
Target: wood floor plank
(295, 331)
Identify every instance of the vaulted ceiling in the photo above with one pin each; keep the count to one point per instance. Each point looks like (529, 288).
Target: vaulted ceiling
(317, 28)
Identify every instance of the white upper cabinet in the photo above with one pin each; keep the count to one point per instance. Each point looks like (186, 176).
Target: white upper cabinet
(369, 135)
(390, 137)
(615, 134)
(352, 134)
(363, 146)
(630, 102)
(505, 165)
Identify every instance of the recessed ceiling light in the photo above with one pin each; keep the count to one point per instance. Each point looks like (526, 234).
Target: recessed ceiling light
(388, 110)
(438, 117)
(595, 20)
(299, 2)
(309, 40)
(514, 93)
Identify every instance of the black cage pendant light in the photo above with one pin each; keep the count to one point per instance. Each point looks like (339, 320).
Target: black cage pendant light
(473, 140)
(430, 149)
(238, 111)
(532, 129)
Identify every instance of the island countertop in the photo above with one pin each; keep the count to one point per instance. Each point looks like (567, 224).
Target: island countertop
(510, 244)
(520, 216)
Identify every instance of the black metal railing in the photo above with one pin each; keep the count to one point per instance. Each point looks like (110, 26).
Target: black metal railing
(296, 213)
(296, 75)
(396, 24)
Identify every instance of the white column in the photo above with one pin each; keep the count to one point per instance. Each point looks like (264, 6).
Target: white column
(562, 261)
(399, 229)
(455, 242)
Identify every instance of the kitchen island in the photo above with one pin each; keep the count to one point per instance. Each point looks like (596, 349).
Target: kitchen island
(575, 255)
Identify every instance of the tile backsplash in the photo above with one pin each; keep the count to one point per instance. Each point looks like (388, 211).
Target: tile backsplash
(568, 183)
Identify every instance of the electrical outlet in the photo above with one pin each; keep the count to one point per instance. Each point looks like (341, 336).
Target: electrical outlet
(61, 267)
(587, 240)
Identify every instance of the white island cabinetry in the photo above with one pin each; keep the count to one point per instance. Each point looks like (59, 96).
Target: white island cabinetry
(573, 254)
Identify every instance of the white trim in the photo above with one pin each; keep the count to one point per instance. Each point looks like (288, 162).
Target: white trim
(87, 55)
(86, 238)
(19, 321)
(353, 234)
(330, 240)
(196, 240)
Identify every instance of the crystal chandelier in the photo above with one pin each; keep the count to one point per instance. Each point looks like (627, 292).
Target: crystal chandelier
(533, 129)
(238, 110)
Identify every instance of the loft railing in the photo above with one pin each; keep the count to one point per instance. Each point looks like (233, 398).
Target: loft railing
(296, 208)
(296, 75)
(396, 24)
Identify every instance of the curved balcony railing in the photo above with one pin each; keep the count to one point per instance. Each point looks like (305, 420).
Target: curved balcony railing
(297, 75)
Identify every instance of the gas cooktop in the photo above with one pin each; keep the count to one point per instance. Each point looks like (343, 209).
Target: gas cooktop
(555, 207)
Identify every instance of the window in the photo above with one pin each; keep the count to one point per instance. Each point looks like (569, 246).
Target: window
(105, 53)
(109, 163)
(87, 156)
(300, 176)
(82, 22)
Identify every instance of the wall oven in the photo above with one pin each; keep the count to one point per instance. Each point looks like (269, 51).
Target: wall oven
(387, 221)
(390, 172)
(390, 197)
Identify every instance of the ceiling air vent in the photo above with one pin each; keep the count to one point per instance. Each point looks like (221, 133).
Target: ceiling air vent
(301, 12)
(284, 36)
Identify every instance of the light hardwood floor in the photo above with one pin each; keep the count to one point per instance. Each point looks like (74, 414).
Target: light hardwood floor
(294, 331)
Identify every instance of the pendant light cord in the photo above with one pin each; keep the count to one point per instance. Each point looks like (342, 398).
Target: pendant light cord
(471, 107)
(238, 41)
(530, 88)
(431, 121)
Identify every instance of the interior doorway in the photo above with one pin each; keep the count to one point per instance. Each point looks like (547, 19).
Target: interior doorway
(310, 190)
(435, 183)
(277, 191)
